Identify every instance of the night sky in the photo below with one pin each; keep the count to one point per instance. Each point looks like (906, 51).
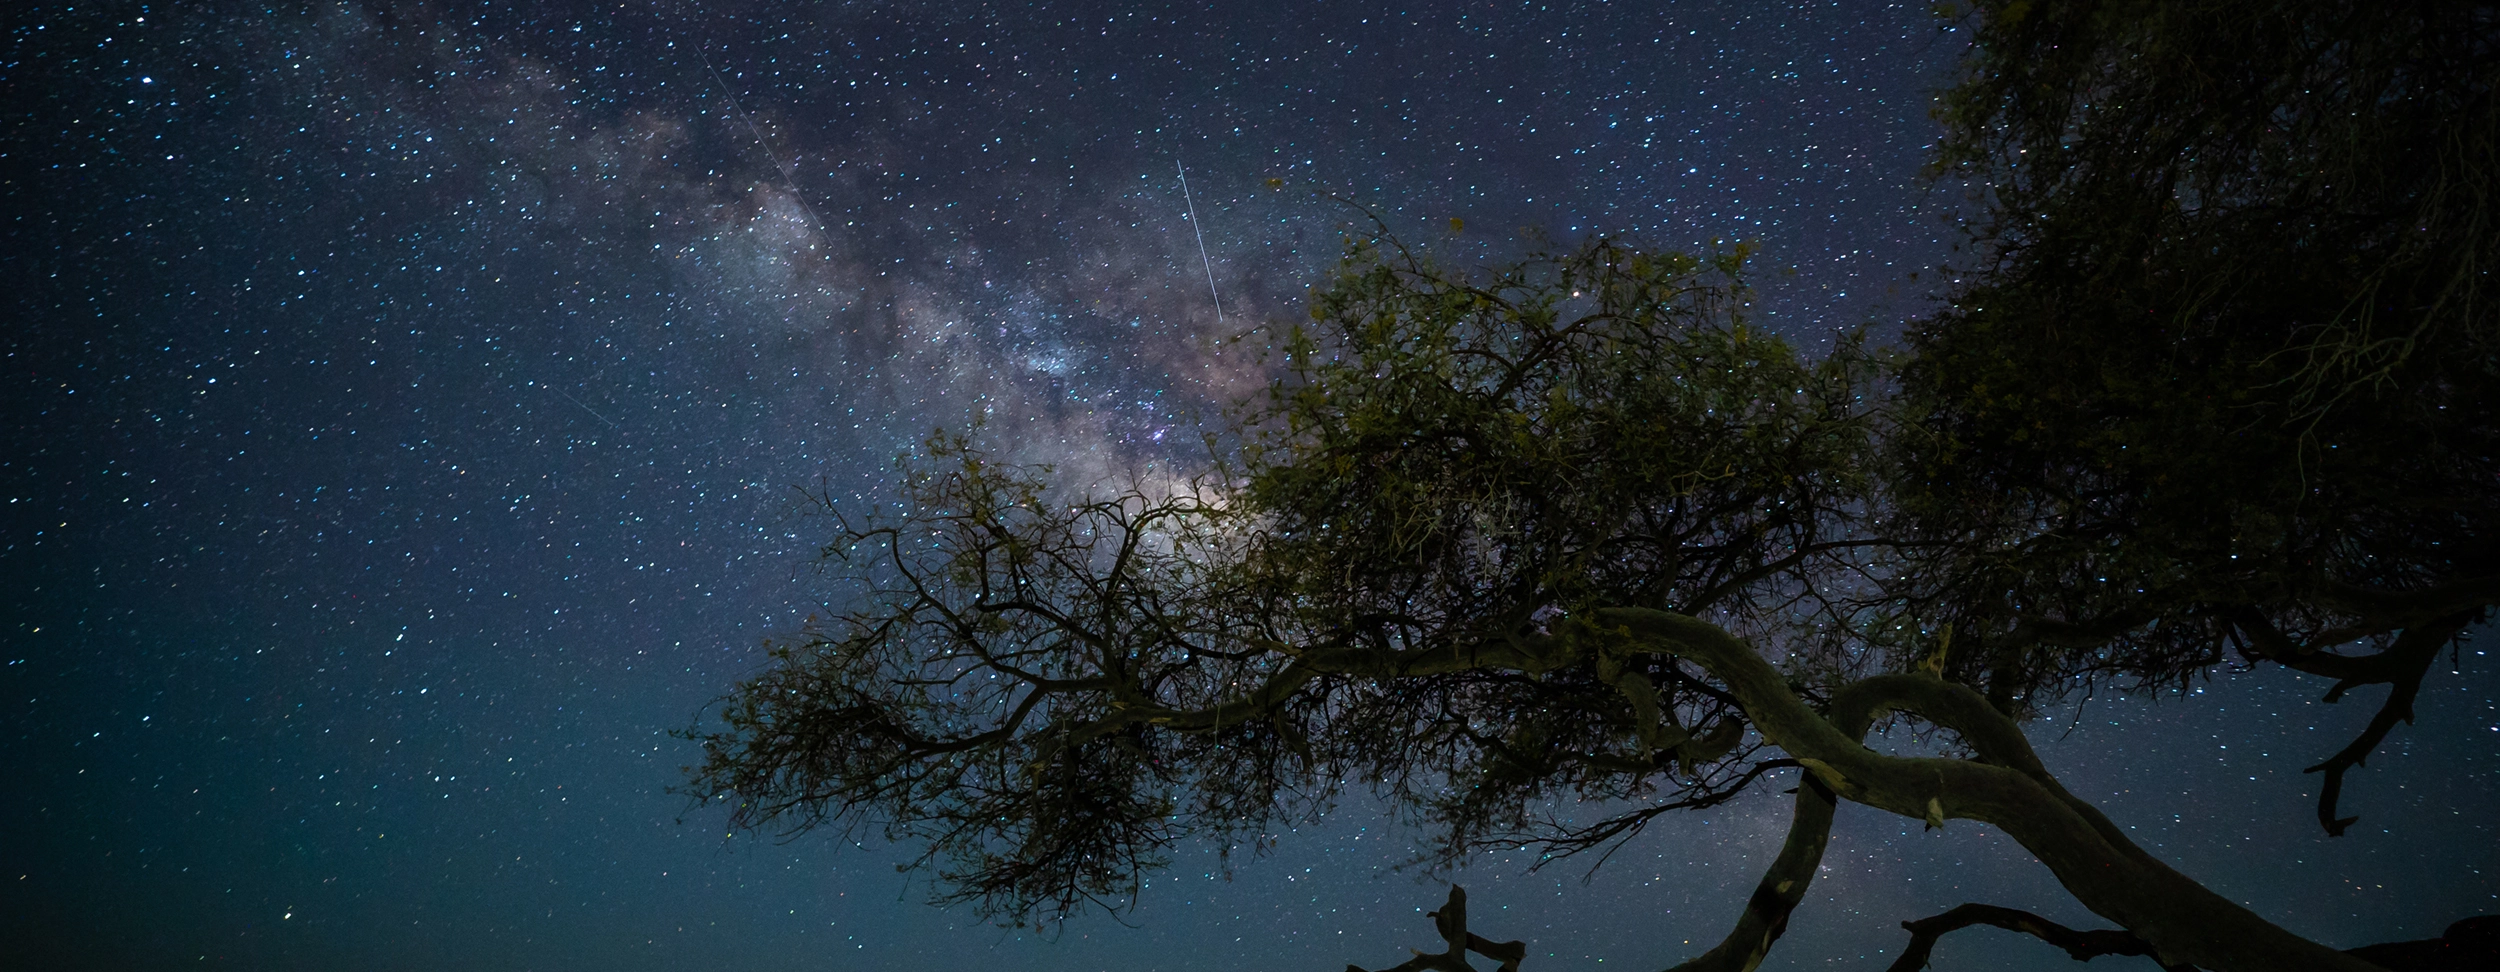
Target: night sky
(409, 410)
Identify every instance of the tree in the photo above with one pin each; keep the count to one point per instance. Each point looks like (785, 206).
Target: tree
(1052, 691)
(2226, 385)
(1570, 530)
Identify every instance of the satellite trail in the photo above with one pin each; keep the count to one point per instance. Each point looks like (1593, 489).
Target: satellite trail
(1202, 242)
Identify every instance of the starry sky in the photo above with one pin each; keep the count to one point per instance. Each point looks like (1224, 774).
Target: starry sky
(410, 409)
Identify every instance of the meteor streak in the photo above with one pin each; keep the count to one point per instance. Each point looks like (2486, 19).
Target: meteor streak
(1202, 242)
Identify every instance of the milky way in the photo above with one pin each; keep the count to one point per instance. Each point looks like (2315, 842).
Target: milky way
(412, 410)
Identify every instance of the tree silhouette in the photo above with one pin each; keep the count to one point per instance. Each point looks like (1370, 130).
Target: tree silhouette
(1570, 530)
(2225, 386)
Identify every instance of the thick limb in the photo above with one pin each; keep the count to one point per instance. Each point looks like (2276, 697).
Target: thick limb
(1765, 918)
(1766, 912)
(2183, 921)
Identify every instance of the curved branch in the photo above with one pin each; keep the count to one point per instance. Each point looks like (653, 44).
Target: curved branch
(2084, 946)
(2403, 608)
(1853, 711)
(2472, 943)
(1783, 885)
(2184, 921)
(2268, 643)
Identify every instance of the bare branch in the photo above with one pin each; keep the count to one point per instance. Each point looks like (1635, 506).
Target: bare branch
(2411, 659)
(2090, 856)
(1451, 921)
(1612, 831)
(1853, 711)
(2084, 946)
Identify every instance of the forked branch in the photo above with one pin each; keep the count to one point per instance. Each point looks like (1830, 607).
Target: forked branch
(2410, 658)
(1451, 920)
(2092, 857)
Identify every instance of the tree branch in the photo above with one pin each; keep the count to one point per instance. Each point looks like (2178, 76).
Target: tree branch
(2410, 658)
(1853, 711)
(1624, 826)
(1766, 913)
(2404, 608)
(2268, 643)
(1451, 921)
(2084, 946)
(2183, 920)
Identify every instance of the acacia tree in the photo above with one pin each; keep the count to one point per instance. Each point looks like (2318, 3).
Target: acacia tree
(1490, 544)
(1570, 530)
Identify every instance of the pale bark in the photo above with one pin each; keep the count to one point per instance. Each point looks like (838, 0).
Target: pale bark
(2082, 946)
(1782, 886)
(2184, 922)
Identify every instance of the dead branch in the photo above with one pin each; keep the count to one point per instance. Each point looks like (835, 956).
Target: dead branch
(1451, 920)
(2412, 655)
(2084, 946)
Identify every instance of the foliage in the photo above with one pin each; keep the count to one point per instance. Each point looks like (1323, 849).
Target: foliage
(2226, 384)
(1048, 691)
(1570, 530)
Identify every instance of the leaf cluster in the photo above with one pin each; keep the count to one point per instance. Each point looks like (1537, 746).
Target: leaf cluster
(2224, 383)
(2228, 375)
(1047, 692)
(1457, 457)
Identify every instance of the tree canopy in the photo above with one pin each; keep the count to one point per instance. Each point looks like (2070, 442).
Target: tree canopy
(2219, 391)
(1052, 690)
(2225, 386)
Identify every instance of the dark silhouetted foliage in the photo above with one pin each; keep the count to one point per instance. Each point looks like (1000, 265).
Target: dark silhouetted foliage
(2221, 391)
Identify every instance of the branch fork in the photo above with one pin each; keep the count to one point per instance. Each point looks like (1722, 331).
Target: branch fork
(1451, 921)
